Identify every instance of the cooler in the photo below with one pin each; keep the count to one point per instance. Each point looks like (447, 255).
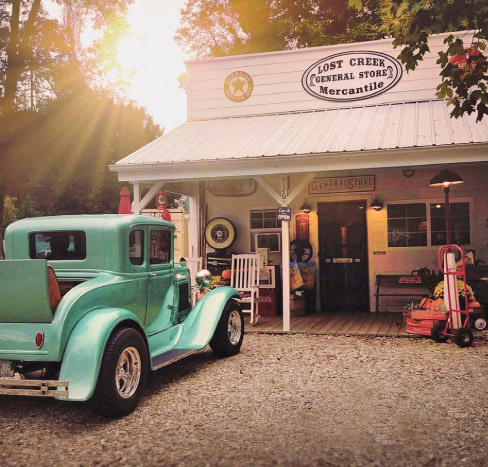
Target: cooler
(267, 302)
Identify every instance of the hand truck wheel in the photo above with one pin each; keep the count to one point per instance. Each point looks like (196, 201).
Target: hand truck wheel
(463, 337)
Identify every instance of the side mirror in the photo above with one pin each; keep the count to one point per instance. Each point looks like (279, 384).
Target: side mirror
(183, 262)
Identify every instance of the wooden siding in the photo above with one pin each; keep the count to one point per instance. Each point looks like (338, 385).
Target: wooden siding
(277, 80)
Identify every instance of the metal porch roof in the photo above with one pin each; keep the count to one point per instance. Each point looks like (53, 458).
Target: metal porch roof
(366, 128)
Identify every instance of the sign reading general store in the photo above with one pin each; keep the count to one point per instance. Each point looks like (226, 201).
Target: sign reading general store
(352, 76)
(342, 184)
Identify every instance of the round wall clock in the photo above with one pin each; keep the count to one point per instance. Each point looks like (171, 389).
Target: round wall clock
(408, 172)
(220, 233)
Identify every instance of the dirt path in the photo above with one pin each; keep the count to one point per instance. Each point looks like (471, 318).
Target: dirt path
(285, 400)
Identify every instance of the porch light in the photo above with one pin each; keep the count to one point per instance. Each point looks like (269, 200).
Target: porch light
(446, 178)
(305, 207)
(377, 205)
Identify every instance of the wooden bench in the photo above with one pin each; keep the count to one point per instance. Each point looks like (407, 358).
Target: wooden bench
(399, 285)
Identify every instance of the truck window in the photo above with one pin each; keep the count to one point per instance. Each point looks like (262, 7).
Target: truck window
(70, 246)
(160, 246)
(136, 247)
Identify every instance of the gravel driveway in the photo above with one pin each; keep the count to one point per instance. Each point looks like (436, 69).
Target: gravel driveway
(286, 400)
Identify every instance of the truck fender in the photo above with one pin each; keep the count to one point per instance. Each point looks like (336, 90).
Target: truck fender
(200, 324)
(84, 351)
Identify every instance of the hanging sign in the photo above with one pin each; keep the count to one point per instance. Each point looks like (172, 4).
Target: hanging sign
(352, 76)
(342, 184)
(284, 213)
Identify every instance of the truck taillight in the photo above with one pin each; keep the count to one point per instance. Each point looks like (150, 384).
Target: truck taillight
(39, 339)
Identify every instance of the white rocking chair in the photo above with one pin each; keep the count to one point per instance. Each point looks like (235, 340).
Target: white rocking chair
(245, 279)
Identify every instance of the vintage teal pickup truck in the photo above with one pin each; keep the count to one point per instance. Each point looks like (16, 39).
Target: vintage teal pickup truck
(124, 309)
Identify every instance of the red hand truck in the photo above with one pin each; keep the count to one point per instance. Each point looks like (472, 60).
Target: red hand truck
(457, 325)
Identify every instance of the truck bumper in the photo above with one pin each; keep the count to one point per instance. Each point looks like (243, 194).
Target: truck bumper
(34, 387)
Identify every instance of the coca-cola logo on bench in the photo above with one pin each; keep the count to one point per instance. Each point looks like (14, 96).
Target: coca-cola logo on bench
(352, 76)
(410, 280)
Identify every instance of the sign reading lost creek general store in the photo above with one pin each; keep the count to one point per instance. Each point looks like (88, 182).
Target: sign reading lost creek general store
(342, 184)
(352, 76)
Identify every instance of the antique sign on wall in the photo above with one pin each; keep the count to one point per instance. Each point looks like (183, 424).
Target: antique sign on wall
(238, 86)
(352, 76)
(232, 188)
(220, 233)
(342, 184)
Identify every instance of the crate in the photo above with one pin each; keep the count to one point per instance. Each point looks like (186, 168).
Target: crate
(420, 326)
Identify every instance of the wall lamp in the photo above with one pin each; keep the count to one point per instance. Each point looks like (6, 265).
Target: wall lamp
(305, 207)
(377, 205)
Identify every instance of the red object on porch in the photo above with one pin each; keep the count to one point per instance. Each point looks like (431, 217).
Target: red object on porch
(267, 302)
(166, 215)
(124, 204)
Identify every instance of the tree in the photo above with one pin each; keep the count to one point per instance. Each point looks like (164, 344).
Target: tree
(61, 160)
(10, 214)
(463, 64)
(41, 58)
(212, 28)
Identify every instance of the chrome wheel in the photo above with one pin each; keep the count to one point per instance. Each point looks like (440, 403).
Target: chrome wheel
(234, 327)
(128, 372)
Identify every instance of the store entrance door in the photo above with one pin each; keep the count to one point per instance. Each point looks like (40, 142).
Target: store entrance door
(343, 256)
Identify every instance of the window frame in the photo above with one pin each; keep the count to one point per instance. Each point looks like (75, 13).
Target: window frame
(32, 242)
(142, 266)
(428, 202)
(169, 263)
(278, 222)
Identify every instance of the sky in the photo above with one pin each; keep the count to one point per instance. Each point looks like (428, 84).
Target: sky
(152, 51)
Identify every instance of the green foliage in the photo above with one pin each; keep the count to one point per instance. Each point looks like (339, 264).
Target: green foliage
(212, 28)
(9, 210)
(463, 63)
(27, 208)
(62, 122)
(61, 159)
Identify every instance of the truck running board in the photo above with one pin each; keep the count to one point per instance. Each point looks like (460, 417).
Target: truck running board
(33, 387)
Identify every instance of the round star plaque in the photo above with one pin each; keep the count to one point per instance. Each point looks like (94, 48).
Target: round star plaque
(238, 86)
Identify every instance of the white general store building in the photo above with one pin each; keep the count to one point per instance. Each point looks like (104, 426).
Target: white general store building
(336, 127)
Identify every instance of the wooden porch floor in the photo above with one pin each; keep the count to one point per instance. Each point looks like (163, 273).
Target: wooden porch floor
(334, 324)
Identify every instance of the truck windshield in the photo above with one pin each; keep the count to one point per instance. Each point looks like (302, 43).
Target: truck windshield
(66, 246)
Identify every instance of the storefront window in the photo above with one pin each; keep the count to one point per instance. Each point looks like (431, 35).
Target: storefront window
(265, 219)
(460, 231)
(407, 225)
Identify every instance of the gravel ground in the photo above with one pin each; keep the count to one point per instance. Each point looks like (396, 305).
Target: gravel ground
(284, 400)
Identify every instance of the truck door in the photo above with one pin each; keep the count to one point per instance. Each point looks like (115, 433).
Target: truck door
(160, 314)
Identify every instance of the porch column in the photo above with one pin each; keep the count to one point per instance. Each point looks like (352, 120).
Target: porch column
(284, 199)
(137, 199)
(285, 268)
(193, 227)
